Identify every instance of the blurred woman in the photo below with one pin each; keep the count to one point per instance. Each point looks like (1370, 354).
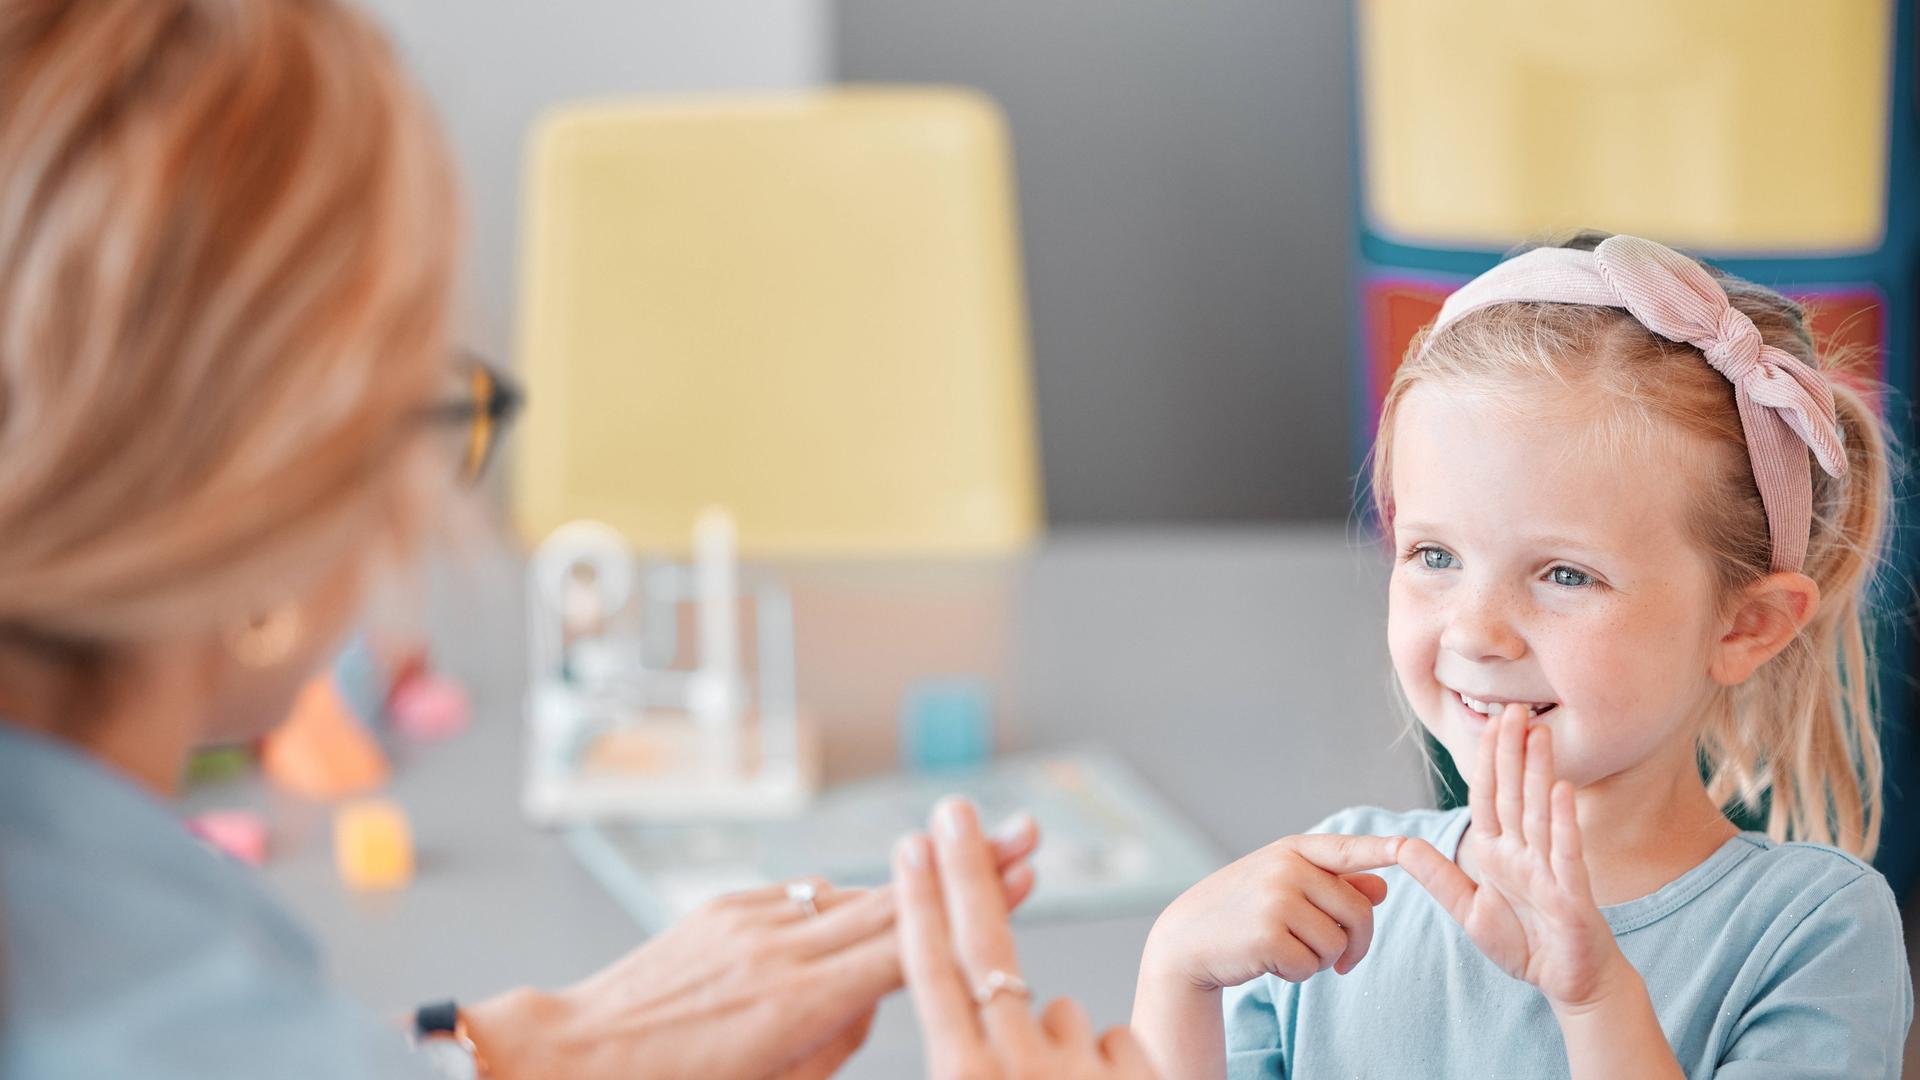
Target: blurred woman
(226, 246)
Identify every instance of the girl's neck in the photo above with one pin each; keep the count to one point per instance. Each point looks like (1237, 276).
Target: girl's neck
(1643, 828)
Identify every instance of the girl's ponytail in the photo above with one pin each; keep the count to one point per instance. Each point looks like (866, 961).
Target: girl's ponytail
(1801, 734)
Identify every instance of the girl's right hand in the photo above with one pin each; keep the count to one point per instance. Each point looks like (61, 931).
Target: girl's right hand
(1298, 906)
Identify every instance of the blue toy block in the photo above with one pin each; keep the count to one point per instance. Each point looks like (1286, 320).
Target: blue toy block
(946, 724)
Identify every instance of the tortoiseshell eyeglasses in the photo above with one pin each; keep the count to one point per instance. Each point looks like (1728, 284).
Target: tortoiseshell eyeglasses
(488, 402)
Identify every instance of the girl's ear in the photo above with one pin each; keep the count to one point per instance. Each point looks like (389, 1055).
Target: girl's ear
(1771, 611)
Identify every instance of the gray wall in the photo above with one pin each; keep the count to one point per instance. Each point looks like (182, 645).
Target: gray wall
(1184, 178)
(1184, 187)
(491, 66)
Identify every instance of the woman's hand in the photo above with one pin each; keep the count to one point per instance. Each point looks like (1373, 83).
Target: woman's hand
(961, 967)
(748, 987)
(1532, 912)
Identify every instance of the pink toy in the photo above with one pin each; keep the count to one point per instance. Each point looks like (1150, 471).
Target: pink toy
(238, 833)
(428, 708)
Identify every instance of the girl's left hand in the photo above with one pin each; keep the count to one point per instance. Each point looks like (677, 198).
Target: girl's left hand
(1532, 911)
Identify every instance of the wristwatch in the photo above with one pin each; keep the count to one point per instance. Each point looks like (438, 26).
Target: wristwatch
(440, 1036)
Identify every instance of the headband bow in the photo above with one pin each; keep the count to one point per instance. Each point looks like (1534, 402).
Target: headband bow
(1784, 404)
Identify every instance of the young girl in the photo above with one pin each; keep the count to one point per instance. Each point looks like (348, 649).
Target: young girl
(1634, 521)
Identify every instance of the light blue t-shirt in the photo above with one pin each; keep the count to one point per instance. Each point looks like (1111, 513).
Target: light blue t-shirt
(130, 950)
(1765, 961)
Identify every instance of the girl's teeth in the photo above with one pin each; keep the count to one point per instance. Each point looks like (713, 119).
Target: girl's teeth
(1489, 709)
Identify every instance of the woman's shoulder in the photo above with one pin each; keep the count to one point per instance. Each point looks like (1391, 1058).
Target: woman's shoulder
(1429, 825)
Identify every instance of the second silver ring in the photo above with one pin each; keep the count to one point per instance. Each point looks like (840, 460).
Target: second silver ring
(999, 982)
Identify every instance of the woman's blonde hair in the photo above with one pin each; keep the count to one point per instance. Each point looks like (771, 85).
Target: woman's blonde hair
(227, 236)
(1800, 735)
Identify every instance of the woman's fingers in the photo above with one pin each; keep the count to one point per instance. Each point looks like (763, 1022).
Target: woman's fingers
(778, 897)
(858, 974)
(977, 911)
(1013, 843)
(951, 898)
(1018, 884)
(1539, 781)
(1446, 882)
(1015, 839)
(827, 1060)
(940, 994)
(842, 917)
(853, 915)
(813, 941)
(857, 915)
(1510, 750)
(1119, 1046)
(1066, 1023)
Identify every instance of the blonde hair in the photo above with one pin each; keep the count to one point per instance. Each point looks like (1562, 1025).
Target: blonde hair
(227, 236)
(1800, 735)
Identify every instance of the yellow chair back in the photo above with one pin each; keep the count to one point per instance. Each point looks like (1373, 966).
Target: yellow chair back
(807, 309)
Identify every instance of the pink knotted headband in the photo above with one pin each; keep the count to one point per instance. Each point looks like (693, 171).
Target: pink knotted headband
(1784, 404)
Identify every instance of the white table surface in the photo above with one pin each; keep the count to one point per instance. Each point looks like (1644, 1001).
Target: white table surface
(1242, 671)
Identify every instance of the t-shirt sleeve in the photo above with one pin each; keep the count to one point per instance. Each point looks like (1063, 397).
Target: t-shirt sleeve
(1254, 1050)
(1835, 1000)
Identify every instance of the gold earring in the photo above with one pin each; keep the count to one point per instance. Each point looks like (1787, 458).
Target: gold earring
(266, 638)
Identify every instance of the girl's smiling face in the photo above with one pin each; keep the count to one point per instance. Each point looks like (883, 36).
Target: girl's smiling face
(1531, 568)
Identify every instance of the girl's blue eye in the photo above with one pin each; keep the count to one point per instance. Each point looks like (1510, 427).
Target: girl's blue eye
(1436, 559)
(1568, 576)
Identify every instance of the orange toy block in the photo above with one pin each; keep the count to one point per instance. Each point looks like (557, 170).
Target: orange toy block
(372, 845)
(321, 751)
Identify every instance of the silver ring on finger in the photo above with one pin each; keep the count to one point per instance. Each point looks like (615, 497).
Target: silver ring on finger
(999, 982)
(803, 894)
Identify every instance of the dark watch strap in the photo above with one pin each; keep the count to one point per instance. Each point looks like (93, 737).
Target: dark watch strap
(437, 1018)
